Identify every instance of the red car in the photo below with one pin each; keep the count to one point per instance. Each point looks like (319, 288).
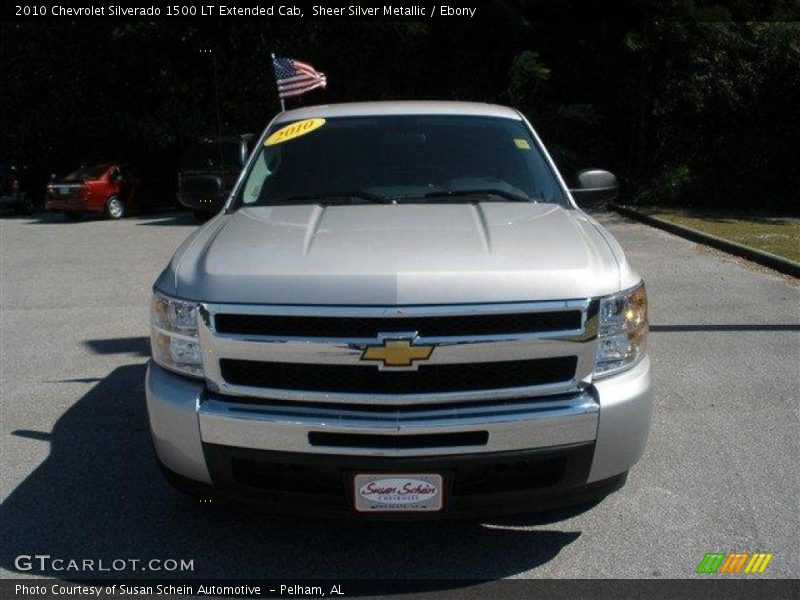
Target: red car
(110, 189)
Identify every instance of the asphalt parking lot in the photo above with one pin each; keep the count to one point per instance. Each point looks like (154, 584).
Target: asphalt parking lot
(78, 478)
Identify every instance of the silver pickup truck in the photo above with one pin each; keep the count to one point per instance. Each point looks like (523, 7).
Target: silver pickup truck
(401, 311)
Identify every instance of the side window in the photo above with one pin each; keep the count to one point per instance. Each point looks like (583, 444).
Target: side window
(264, 166)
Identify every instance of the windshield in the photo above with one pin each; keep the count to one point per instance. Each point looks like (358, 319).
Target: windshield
(87, 173)
(399, 159)
(207, 155)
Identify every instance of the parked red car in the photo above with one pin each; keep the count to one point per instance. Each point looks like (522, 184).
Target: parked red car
(111, 189)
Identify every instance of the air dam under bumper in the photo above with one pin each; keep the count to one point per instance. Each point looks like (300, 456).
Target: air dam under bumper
(570, 444)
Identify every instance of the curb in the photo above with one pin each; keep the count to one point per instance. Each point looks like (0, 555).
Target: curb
(767, 259)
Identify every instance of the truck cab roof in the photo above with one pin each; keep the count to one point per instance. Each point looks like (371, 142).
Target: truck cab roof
(399, 107)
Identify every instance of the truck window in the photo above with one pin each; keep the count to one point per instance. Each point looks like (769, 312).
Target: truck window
(400, 157)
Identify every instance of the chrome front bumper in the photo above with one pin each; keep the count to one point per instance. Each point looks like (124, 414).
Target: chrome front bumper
(510, 426)
(614, 413)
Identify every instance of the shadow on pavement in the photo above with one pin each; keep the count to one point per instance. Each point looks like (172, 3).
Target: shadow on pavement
(156, 216)
(74, 380)
(36, 217)
(58, 218)
(138, 346)
(100, 495)
(182, 217)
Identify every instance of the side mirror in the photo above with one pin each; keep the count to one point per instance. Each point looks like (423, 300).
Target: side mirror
(595, 188)
(245, 146)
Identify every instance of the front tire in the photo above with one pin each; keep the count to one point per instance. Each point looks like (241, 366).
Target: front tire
(115, 208)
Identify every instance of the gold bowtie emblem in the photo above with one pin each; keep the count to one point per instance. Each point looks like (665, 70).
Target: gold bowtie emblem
(397, 353)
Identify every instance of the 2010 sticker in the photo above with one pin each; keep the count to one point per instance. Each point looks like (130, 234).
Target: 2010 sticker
(295, 130)
(522, 144)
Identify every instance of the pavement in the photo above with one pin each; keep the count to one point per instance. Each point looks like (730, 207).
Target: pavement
(78, 478)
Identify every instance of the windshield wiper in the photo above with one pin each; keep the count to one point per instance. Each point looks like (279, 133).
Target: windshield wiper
(479, 192)
(362, 195)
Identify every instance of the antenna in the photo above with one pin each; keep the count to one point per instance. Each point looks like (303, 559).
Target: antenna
(283, 103)
(219, 120)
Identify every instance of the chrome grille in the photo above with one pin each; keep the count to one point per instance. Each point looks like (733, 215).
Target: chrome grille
(428, 379)
(544, 348)
(370, 327)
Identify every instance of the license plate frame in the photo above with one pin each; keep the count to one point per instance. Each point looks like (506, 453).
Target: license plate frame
(400, 501)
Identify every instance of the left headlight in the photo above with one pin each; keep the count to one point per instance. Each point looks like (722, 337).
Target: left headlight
(622, 331)
(173, 336)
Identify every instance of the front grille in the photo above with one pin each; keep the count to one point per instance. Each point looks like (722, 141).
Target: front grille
(512, 476)
(320, 479)
(367, 379)
(516, 476)
(287, 478)
(370, 327)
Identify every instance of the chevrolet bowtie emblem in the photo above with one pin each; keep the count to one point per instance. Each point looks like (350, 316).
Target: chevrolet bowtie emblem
(397, 353)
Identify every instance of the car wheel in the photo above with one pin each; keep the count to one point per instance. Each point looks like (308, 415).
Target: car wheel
(72, 215)
(115, 208)
(201, 216)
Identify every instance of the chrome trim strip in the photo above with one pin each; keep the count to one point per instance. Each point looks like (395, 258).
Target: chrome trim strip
(340, 353)
(511, 426)
(451, 339)
(396, 399)
(424, 310)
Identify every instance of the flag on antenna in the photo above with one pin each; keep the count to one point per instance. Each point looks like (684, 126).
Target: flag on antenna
(295, 78)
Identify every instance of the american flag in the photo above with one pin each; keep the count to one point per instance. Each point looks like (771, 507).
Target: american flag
(294, 77)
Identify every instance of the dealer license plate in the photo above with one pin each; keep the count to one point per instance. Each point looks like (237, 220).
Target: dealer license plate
(398, 492)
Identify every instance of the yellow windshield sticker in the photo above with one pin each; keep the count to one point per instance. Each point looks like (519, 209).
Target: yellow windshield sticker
(295, 130)
(522, 144)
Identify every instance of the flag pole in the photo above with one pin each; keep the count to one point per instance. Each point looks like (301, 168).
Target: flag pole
(283, 103)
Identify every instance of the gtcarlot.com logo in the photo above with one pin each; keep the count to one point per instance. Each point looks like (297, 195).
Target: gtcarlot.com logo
(45, 562)
(734, 563)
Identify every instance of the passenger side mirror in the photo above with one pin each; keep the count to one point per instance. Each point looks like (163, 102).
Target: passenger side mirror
(245, 147)
(595, 188)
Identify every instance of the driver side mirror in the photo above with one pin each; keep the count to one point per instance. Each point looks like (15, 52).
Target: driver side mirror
(245, 147)
(595, 188)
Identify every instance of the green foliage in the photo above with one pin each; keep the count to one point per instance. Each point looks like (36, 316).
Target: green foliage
(668, 187)
(697, 110)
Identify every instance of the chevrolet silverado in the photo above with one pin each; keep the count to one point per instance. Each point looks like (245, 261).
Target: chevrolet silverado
(401, 311)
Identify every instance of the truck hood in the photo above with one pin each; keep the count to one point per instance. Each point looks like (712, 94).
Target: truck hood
(395, 255)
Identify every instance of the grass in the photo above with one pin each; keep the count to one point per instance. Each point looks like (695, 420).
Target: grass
(777, 235)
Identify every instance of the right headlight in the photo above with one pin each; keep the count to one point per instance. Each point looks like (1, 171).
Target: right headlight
(622, 331)
(173, 335)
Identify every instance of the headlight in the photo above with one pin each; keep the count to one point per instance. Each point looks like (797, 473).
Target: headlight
(622, 331)
(173, 336)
